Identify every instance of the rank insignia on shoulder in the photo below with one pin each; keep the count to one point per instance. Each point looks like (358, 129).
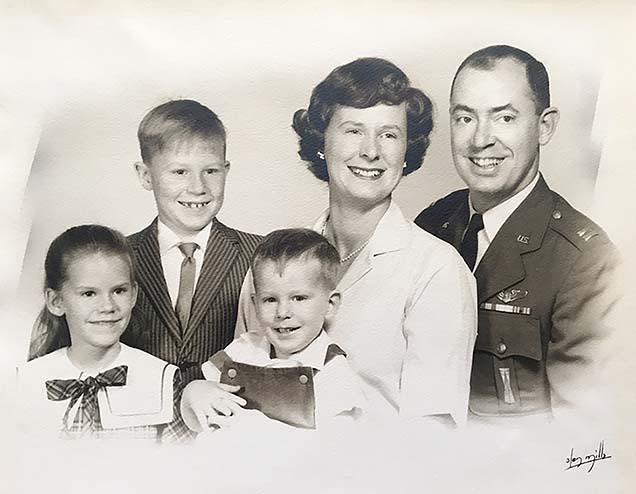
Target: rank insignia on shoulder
(507, 296)
(586, 234)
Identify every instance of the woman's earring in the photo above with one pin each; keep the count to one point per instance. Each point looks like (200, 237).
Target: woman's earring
(321, 155)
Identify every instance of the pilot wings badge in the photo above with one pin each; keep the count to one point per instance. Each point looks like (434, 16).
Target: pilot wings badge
(507, 296)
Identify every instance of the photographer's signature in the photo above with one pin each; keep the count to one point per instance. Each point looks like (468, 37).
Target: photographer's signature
(578, 461)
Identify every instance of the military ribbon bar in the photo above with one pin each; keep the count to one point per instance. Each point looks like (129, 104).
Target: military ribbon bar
(512, 309)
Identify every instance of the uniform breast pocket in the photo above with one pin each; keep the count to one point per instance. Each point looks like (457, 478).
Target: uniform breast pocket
(507, 335)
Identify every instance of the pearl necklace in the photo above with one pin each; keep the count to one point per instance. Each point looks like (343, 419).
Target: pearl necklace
(351, 254)
(355, 251)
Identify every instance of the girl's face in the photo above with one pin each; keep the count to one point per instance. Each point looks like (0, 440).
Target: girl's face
(97, 298)
(364, 151)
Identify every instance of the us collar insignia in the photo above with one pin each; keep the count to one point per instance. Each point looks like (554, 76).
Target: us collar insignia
(524, 239)
(507, 296)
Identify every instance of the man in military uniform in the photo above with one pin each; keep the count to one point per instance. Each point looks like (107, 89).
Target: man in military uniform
(544, 271)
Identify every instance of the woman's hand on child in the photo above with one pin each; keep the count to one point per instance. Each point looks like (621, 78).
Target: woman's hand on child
(205, 404)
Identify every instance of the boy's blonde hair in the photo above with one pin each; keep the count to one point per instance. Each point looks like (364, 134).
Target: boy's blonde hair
(283, 246)
(176, 122)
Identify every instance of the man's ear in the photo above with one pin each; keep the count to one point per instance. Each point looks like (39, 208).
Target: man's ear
(547, 124)
(143, 175)
(54, 302)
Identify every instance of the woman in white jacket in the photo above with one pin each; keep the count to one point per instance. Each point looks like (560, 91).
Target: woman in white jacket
(407, 320)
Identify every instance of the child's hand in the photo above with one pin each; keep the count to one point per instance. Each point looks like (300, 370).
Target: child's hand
(207, 403)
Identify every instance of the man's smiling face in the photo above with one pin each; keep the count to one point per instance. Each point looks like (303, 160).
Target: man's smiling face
(495, 131)
(188, 182)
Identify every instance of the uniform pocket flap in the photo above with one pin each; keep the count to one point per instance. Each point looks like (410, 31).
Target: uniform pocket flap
(505, 335)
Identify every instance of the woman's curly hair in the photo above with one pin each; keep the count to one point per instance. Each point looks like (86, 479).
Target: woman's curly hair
(363, 83)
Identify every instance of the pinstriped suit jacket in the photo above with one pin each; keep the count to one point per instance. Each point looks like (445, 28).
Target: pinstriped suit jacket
(154, 326)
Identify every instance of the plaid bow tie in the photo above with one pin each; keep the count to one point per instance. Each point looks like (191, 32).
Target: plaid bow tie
(87, 418)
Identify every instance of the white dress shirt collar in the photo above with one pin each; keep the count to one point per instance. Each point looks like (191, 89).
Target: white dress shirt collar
(171, 256)
(495, 217)
(168, 239)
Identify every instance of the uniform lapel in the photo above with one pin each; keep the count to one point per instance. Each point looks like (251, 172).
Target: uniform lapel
(456, 221)
(502, 265)
(220, 254)
(152, 281)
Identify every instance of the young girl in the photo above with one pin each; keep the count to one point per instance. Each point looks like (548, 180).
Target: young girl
(91, 384)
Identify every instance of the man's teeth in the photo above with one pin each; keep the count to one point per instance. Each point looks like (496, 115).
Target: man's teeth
(193, 205)
(286, 330)
(486, 162)
(366, 173)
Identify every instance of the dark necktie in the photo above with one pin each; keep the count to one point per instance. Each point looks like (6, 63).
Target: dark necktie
(186, 283)
(468, 247)
(87, 418)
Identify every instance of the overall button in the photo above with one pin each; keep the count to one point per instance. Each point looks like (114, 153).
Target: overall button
(303, 379)
(231, 373)
(501, 348)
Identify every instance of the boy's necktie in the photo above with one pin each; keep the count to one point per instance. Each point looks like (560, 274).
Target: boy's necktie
(186, 283)
(87, 418)
(468, 247)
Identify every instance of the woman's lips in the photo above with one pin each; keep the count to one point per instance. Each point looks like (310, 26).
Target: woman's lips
(368, 173)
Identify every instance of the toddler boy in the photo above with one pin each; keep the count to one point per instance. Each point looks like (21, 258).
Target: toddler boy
(291, 370)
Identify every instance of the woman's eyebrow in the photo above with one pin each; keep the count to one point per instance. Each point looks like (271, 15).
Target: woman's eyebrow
(391, 126)
(350, 122)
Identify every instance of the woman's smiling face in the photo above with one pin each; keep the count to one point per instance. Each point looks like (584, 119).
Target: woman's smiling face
(364, 151)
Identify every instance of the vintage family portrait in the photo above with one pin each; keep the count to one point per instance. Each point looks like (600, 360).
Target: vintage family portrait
(271, 247)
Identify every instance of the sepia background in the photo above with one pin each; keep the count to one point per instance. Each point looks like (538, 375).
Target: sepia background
(77, 78)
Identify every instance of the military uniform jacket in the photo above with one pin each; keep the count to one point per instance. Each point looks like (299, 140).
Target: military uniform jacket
(154, 326)
(545, 291)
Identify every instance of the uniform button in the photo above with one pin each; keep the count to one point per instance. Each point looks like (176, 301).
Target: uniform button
(231, 373)
(303, 379)
(501, 348)
(556, 214)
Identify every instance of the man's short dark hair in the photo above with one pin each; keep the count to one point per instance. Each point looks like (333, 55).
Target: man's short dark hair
(536, 74)
(283, 246)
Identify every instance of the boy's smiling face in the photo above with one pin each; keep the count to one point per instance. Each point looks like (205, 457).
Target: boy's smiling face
(292, 304)
(188, 182)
